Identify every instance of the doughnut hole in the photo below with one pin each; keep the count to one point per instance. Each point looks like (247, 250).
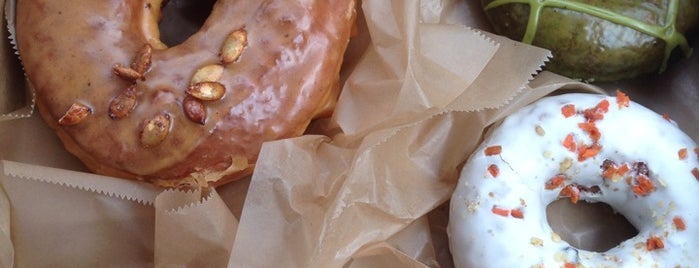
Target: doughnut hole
(589, 226)
(182, 18)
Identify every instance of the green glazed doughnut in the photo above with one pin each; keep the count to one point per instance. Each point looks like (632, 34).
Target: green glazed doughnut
(599, 40)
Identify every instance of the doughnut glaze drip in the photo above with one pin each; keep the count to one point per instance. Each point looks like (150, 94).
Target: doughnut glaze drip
(580, 147)
(189, 114)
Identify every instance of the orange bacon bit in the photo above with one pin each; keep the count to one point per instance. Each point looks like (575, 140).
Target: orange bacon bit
(568, 110)
(555, 182)
(597, 112)
(695, 172)
(623, 169)
(493, 150)
(696, 151)
(586, 152)
(644, 186)
(678, 222)
(494, 170)
(622, 99)
(517, 213)
(609, 172)
(654, 243)
(682, 153)
(569, 265)
(591, 129)
(572, 192)
(500, 211)
(667, 117)
(593, 115)
(603, 105)
(569, 143)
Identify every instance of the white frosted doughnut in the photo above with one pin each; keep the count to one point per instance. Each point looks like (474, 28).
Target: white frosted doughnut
(627, 156)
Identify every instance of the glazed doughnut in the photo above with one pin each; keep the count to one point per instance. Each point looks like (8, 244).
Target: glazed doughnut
(129, 106)
(583, 147)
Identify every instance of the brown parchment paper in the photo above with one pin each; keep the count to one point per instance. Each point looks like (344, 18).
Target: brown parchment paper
(367, 189)
(193, 229)
(61, 218)
(15, 101)
(409, 113)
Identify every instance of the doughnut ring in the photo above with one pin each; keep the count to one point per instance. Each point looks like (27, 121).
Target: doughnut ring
(193, 114)
(581, 147)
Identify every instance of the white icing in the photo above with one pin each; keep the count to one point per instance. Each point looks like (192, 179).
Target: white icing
(530, 157)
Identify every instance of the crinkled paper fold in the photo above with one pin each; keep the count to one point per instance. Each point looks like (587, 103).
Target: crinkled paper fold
(418, 92)
(409, 114)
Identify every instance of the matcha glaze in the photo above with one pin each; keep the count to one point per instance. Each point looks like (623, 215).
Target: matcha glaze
(599, 40)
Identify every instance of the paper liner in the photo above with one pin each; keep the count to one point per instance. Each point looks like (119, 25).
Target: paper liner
(193, 229)
(404, 138)
(76, 226)
(108, 221)
(17, 96)
(122, 189)
(369, 191)
(406, 248)
(7, 250)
